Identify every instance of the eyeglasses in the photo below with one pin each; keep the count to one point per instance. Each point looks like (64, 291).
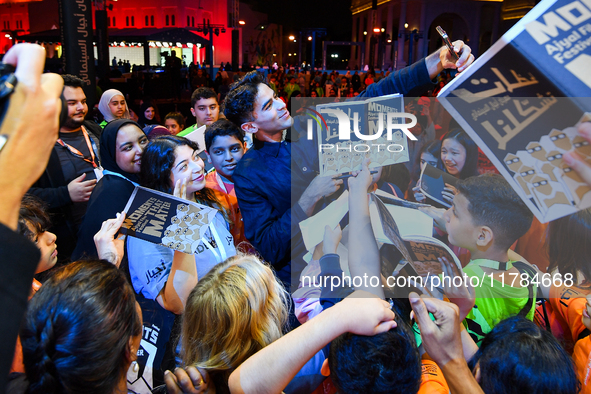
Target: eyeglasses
(536, 149)
(557, 137)
(554, 157)
(512, 161)
(528, 172)
(579, 144)
(542, 183)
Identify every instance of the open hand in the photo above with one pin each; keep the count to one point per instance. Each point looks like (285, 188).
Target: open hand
(108, 245)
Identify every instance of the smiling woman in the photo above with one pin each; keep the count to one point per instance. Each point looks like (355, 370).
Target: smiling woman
(171, 164)
(122, 145)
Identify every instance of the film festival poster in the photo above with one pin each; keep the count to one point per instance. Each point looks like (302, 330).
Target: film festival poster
(523, 99)
(169, 221)
(339, 156)
(413, 254)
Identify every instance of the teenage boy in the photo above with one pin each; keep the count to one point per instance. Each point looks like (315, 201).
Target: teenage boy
(487, 217)
(205, 109)
(225, 146)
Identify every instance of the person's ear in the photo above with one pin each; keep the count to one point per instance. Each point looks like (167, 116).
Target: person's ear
(208, 157)
(485, 236)
(249, 127)
(130, 351)
(193, 112)
(325, 369)
(477, 373)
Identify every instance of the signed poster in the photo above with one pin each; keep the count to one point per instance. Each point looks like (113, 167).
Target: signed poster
(522, 100)
(369, 118)
(169, 221)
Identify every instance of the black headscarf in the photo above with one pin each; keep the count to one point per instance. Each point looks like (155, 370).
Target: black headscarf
(142, 120)
(108, 147)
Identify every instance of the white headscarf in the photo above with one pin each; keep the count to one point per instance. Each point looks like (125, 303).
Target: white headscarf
(104, 105)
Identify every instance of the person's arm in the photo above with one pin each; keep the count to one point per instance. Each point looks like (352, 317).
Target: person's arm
(269, 230)
(272, 368)
(443, 342)
(364, 256)
(421, 73)
(181, 281)
(22, 161)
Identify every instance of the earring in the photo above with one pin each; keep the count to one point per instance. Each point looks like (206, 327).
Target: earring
(135, 367)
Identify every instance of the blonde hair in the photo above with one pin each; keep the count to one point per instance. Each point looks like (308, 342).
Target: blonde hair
(237, 309)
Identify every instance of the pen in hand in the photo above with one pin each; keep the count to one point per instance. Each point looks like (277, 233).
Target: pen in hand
(350, 175)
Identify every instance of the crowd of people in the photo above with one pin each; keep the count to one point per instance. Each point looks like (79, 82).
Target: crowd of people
(115, 314)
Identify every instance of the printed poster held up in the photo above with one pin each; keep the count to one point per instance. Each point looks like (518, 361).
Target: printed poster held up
(523, 99)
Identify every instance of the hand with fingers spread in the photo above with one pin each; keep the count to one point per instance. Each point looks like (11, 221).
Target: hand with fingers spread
(189, 380)
(575, 161)
(463, 296)
(108, 245)
(464, 53)
(448, 193)
(80, 190)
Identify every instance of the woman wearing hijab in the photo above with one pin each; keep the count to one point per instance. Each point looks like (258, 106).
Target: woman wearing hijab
(122, 145)
(148, 114)
(113, 106)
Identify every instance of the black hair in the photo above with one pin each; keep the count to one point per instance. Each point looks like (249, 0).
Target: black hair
(471, 164)
(75, 336)
(33, 212)
(569, 244)
(222, 127)
(239, 102)
(73, 81)
(518, 357)
(156, 169)
(384, 363)
(397, 174)
(177, 117)
(202, 93)
(492, 202)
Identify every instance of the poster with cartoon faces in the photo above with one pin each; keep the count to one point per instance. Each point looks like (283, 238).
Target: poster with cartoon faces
(545, 179)
(366, 118)
(188, 226)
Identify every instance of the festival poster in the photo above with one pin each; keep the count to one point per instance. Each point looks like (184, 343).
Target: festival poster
(522, 100)
(166, 220)
(369, 117)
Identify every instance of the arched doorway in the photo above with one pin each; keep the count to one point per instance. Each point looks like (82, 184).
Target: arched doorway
(454, 25)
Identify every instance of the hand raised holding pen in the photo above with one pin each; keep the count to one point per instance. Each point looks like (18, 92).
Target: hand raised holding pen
(464, 53)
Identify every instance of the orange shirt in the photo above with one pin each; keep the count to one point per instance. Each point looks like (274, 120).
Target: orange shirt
(432, 380)
(226, 194)
(582, 359)
(17, 362)
(565, 308)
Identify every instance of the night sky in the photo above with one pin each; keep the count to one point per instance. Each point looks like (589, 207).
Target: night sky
(334, 15)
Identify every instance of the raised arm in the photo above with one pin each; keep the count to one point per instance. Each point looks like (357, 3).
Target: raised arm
(364, 256)
(272, 368)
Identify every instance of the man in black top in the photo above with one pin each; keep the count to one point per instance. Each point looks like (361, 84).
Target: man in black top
(71, 174)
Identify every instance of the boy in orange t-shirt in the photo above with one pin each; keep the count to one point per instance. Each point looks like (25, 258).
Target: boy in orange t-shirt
(225, 146)
(582, 352)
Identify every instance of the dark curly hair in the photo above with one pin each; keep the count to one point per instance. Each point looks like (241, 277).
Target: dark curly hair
(156, 168)
(76, 332)
(33, 212)
(220, 128)
(517, 357)
(239, 103)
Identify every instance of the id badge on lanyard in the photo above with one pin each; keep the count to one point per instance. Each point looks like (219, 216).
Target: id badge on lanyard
(98, 172)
